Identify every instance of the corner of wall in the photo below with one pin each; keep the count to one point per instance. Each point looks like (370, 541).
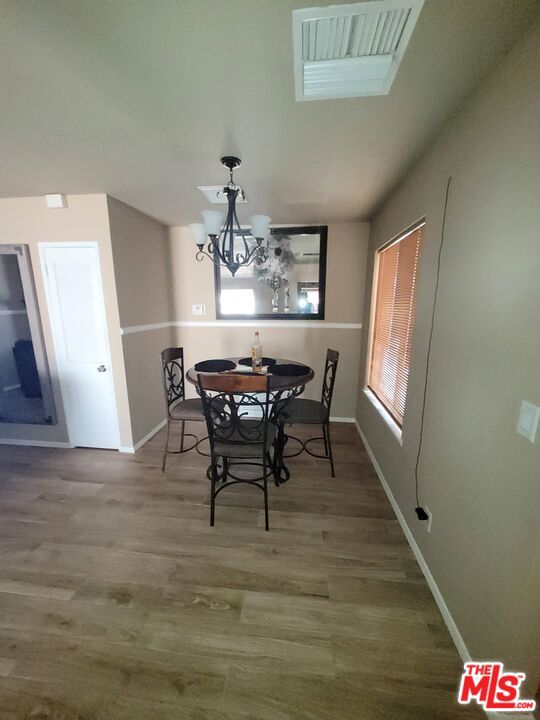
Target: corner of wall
(115, 337)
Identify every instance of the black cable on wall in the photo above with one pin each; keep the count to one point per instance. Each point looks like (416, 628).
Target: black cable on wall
(420, 512)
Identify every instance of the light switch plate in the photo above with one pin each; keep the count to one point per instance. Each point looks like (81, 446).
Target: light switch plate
(198, 309)
(529, 417)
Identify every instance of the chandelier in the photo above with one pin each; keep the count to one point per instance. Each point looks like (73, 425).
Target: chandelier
(216, 240)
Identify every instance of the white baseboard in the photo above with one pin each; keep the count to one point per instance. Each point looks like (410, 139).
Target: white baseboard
(340, 419)
(507, 716)
(445, 612)
(133, 448)
(36, 443)
(441, 604)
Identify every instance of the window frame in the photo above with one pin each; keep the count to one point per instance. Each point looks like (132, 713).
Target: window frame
(395, 426)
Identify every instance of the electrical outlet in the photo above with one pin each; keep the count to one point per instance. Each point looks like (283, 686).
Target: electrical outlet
(198, 309)
(430, 518)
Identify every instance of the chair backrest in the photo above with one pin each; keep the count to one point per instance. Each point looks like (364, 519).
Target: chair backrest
(329, 379)
(172, 363)
(234, 410)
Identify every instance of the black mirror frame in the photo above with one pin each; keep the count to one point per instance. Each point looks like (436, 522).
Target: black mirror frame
(322, 230)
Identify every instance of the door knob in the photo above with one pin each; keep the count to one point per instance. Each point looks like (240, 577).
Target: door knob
(102, 368)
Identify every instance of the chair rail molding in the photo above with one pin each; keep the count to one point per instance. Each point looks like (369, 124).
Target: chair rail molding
(131, 329)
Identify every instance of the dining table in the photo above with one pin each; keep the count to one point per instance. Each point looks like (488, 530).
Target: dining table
(288, 379)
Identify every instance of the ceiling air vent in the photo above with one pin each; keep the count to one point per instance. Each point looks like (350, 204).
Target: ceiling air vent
(351, 50)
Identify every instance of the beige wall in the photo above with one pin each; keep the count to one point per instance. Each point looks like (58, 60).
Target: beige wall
(140, 247)
(143, 373)
(480, 480)
(28, 221)
(302, 344)
(193, 283)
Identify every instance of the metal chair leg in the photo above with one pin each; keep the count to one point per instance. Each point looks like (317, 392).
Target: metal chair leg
(164, 462)
(182, 436)
(213, 492)
(265, 486)
(325, 440)
(330, 449)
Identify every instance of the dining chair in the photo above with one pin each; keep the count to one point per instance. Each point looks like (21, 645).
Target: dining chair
(237, 412)
(179, 410)
(301, 411)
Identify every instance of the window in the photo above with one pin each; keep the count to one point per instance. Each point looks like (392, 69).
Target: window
(393, 320)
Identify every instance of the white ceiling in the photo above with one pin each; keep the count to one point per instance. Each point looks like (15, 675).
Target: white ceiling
(140, 98)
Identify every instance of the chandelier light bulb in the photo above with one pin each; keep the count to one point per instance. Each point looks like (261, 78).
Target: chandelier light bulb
(260, 226)
(198, 230)
(212, 221)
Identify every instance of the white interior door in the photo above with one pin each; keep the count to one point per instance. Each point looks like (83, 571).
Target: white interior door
(77, 312)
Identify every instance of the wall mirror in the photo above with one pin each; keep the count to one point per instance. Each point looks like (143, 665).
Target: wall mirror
(25, 390)
(290, 285)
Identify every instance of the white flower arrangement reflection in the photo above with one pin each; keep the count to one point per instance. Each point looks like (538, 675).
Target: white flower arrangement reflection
(274, 271)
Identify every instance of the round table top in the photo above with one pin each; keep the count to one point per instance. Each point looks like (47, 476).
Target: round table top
(277, 382)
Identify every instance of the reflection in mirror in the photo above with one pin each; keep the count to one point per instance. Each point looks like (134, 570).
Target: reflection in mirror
(288, 284)
(22, 362)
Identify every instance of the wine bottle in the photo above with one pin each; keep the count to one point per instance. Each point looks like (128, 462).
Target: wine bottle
(256, 354)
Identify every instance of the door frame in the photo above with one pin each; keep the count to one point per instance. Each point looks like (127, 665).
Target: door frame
(42, 247)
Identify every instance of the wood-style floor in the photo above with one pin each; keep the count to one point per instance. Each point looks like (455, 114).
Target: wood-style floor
(118, 601)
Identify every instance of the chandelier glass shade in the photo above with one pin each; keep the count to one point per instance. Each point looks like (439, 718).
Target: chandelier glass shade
(219, 235)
